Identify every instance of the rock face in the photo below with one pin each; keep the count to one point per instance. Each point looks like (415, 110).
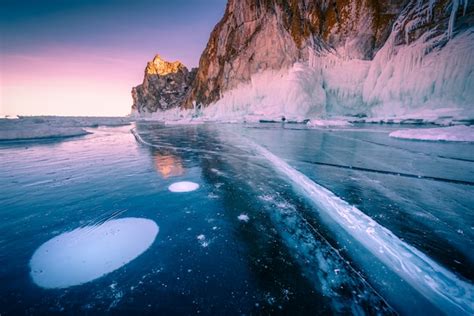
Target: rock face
(309, 58)
(254, 36)
(165, 86)
(273, 34)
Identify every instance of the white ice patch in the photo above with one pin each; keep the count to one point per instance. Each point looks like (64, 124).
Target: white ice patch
(183, 186)
(88, 253)
(327, 123)
(243, 218)
(452, 134)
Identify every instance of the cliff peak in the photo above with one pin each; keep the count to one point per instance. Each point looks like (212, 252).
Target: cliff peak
(159, 66)
(165, 86)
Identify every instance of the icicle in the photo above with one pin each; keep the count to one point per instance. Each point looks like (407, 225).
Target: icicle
(452, 17)
(465, 7)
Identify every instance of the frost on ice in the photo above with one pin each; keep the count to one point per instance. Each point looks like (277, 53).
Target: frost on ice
(88, 253)
(183, 186)
(452, 134)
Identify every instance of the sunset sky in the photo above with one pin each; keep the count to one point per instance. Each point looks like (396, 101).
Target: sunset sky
(83, 57)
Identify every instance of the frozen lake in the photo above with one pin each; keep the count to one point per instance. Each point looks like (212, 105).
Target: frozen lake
(236, 219)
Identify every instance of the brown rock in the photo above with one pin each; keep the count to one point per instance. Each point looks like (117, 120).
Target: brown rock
(165, 86)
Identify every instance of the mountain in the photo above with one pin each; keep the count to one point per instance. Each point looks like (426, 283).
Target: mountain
(165, 86)
(303, 59)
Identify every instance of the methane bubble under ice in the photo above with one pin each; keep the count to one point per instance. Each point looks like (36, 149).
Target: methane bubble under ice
(184, 186)
(88, 253)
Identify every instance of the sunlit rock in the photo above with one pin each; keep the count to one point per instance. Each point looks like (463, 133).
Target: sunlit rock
(165, 85)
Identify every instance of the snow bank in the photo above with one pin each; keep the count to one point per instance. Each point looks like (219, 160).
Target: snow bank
(54, 126)
(88, 253)
(184, 122)
(327, 123)
(452, 134)
(40, 132)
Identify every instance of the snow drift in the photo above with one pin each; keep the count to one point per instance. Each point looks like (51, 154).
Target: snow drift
(452, 134)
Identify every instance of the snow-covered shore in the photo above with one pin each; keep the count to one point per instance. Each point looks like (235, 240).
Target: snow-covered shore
(40, 127)
(453, 134)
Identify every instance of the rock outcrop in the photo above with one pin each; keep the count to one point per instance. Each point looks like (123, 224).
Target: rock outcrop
(254, 36)
(334, 57)
(165, 86)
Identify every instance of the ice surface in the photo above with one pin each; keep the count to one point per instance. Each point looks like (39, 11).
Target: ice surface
(88, 253)
(453, 133)
(183, 186)
(443, 288)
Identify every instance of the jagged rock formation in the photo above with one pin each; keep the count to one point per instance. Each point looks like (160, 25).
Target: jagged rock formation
(306, 58)
(273, 34)
(165, 86)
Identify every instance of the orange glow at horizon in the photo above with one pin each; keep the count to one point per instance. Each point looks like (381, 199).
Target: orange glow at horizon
(168, 165)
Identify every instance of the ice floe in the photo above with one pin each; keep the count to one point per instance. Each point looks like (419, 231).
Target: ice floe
(90, 252)
(453, 134)
(183, 186)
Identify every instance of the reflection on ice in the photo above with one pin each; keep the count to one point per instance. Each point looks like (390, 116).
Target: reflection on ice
(168, 165)
(183, 186)
(88, 253)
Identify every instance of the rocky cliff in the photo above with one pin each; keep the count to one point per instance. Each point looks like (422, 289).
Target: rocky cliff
(165, 86)
(254, 36)
(306, 58)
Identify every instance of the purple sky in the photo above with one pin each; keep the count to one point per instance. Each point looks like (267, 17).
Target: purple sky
(83, 57)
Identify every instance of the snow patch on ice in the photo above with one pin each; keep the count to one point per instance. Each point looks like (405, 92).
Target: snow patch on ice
(453, 134)
(327, 123)
(183, 186)
(88, 253)
(183, 122)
